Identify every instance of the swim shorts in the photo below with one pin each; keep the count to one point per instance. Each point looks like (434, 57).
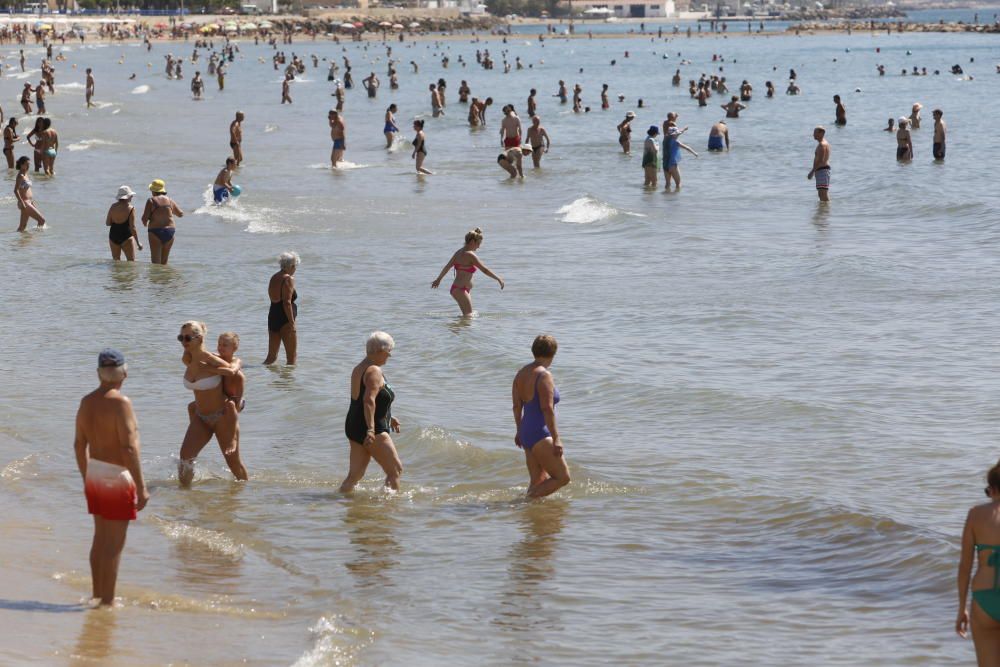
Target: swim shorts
(938, 151)
(110, 491)
(715, 143)
(220, 193)
(511, 142)
(338, 144)
(822, 176)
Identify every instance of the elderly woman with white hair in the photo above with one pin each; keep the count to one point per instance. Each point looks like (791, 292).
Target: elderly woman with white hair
(369, 419)
(284, 311)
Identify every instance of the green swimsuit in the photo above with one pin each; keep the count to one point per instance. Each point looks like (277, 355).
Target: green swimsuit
(988, 599)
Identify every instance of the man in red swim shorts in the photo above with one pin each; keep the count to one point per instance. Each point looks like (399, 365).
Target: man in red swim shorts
(510, 128)
(107, 453)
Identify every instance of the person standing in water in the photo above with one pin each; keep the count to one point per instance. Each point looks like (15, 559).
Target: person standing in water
(390, 129)
(283, 314)
(821, 164)
(625, 133)
(197, 86)
(369, 424)
(940, 132)
(465, 261)
(841, 111)
(436, 106)
(236, 138)
(539, 141)
(339, 137)
(532, 105)
(108, 457)
(672, 147)
(420, 147)
(120, 222)
(980, 544)
(286, 88)
(733, 107)
(25, 199)
(904, 142)
(371, 84)
(10, 136)
(650, 157)
(223, 187)
(915, 115)
(90, 87)
(718, 137)
(158, 217)
(534, 397)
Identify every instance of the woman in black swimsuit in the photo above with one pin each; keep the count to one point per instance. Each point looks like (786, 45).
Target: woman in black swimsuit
(281, 318)
(420, 147)
(369, 419)
(121, 225)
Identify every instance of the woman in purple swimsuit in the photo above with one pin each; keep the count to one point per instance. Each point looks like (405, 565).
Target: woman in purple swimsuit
(465, 262)
(535, 397)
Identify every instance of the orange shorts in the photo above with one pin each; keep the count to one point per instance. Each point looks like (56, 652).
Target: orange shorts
(110, 491)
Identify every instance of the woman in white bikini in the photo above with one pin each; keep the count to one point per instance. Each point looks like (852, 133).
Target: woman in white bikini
(210, 417)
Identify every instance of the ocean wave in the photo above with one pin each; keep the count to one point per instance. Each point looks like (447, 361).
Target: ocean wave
(334, 643)
(587, 210)
(210, 540)
(88, 143)
(75, 85)
(140, 90)
(258, 220)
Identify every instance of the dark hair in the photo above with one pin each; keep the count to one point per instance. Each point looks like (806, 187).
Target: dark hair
(24, 159)
(545, 347)
(419, 123)
(992, 477)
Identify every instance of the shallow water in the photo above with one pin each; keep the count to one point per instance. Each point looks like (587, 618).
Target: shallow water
(775, 413)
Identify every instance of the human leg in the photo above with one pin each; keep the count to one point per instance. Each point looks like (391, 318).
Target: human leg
(197, 436)
(359, 463)
(463, 299)
(129, 248)
(116, 250)
(554, 465)
(384, 452)
(227, 434)
(985, 637)
(165, 251)
(155, 249)
(290, 339)
(273, 343)
(105, 553)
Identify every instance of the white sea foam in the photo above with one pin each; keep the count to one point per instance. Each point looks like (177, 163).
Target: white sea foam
(88, 143)
(76, 85)
(140, 90)
(586, 210)
(258, 220)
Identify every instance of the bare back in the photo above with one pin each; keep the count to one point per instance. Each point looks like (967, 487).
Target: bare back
(103, 421)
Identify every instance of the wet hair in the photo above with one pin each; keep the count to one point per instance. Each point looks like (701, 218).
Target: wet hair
(545, 346)
(474, 235)
(24, 159)
(419, 123)
(230, 160)
(230, 337)
(937, 112)
(11, 122)
(288, 259)
(199, 328)
(46, 123)
(993, 477)
(392, 107)
(379, 341)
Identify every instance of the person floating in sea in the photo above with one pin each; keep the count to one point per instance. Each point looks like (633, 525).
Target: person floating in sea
(821, 164)
(539, 141)
(891, 127)
(841, 111)
(338, 135)
(465, 261)
(236, 137)
(534, 397)
(980, 544)
(108, 456)
(940, 132)
(370, 424)
(718, 137)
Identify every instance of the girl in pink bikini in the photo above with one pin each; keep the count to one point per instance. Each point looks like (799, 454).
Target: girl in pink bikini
(465, 262)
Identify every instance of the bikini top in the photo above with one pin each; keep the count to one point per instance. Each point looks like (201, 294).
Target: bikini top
(25, 183)
(467, 269)
(204, 384)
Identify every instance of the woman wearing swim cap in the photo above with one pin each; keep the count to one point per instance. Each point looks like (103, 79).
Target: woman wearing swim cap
(465, 262)
(158, 217)
(210, 415)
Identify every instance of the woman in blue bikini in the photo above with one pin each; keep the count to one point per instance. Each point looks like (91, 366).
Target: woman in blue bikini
(981, 541)
(535, 397)
(158, 217)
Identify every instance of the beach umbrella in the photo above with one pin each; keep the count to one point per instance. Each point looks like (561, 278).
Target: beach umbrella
(347, 26)
(398, 26)
(206, 29)
(186, 26)
(266, 24)
(359, 24)
(249, 26)
(161, 26)
(385, 24)
(230, 26)
(414, 25)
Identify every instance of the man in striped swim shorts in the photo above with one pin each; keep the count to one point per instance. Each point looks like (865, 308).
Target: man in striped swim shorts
(107, 454)
(821, 164)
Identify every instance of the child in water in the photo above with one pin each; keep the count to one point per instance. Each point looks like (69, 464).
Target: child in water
(233, 386)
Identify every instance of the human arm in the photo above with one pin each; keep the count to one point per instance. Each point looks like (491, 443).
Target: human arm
(964, 576)
(80, 444)
(816, 162)
(128, 435)
(176, 209)
(147, 213)
(726, 135)
(373, 383)
(437, 281)
(546, 400)
(516, 404)
(482, 267)
(287, 289)
(548, 142)
(687, 148)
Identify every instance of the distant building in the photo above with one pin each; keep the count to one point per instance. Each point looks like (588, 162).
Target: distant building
(623, 9)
